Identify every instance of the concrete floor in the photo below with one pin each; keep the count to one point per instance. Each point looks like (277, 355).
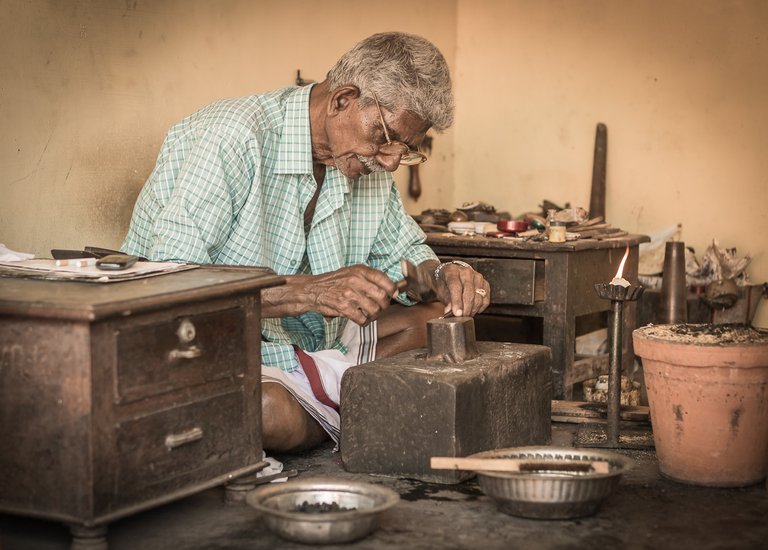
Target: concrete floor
(646, 511)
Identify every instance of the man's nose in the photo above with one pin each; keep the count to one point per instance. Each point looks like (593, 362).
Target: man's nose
(390, 154)
(390, 163)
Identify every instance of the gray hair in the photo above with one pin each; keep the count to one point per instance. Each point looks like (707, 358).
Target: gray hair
(405, 72)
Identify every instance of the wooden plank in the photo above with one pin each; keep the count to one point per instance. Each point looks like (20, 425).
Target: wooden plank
(579, 410)
(578, 420)
(586, 369)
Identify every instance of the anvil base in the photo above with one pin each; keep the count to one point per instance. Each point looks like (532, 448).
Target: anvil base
(397, 413)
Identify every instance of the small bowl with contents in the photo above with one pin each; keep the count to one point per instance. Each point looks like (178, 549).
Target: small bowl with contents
(544, 482)
(553, 483)
(322, 511)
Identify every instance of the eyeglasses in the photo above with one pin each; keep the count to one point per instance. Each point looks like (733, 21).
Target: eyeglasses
(410, 157)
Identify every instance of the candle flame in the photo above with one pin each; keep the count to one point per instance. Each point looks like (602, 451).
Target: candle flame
(621, 265)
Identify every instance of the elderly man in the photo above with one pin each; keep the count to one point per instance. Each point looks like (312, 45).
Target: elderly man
(298, 180)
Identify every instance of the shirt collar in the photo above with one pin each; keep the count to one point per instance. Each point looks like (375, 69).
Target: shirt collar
(295, 153)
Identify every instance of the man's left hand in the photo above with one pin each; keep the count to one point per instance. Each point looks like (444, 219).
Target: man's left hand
(464, 291)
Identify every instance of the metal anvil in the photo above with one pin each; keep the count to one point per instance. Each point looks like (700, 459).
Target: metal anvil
(398, 412)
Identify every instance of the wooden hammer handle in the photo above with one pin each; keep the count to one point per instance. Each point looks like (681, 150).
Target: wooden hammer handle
(518, 464)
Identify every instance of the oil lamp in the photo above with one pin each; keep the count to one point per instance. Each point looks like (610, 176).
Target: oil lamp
(618, 291)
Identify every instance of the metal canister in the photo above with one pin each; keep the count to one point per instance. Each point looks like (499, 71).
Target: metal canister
(556, 231)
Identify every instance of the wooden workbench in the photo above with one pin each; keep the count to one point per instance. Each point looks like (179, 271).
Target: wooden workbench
(553, 282)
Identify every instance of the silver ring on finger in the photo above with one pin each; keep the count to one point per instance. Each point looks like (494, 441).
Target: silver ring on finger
(481, 292)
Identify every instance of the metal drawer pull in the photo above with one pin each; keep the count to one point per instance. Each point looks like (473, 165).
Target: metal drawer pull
(186, 331)
(191, 352)
(173, 441)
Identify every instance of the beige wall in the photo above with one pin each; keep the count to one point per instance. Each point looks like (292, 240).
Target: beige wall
(681, 85)
(88, 89)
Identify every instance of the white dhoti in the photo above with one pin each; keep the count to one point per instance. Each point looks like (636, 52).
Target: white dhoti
(316, 384)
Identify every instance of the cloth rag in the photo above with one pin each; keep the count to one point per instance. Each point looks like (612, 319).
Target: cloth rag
(273, 467)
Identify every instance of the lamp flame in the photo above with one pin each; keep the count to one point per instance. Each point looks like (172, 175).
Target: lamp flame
(623, 261)
(618, 279)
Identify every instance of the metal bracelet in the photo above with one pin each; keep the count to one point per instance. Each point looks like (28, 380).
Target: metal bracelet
(439, 268)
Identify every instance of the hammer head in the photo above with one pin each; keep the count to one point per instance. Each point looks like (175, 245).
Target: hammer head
(415, 283)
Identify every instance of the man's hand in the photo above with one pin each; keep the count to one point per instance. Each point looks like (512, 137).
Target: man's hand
(358, 292)
(464, 291)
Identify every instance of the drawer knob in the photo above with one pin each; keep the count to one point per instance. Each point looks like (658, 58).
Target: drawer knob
(191, 352)
(172, 441)
(186, 331)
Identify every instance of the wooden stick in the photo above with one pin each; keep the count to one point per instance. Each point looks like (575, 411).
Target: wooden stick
(518, 464)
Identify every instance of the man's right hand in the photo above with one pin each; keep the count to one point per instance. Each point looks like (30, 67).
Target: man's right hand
(358, 292)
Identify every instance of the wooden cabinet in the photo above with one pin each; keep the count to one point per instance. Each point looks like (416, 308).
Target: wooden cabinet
(121, 396)
(554, 283)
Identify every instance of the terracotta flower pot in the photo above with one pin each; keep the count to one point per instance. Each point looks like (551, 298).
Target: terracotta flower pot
(708, 396)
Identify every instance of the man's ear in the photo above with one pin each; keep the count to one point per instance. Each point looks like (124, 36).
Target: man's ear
(341, 98)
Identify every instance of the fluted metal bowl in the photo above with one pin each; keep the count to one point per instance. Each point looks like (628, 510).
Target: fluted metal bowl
(554, 494)
(283, 505)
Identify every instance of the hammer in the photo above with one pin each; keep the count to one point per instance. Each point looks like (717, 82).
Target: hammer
(414, 283)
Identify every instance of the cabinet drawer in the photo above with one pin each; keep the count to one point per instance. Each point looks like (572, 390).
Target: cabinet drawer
(513, 281)
(162, 353)
(170, 450)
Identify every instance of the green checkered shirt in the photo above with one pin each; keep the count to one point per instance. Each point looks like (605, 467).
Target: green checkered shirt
(231, 185)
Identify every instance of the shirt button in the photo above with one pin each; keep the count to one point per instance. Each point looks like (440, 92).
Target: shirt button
(293, 262)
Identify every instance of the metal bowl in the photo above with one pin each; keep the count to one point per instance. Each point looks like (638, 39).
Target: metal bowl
(281, 506)
(552, 494)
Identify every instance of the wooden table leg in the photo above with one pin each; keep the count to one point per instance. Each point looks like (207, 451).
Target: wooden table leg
(235, 490)
(88, 538)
